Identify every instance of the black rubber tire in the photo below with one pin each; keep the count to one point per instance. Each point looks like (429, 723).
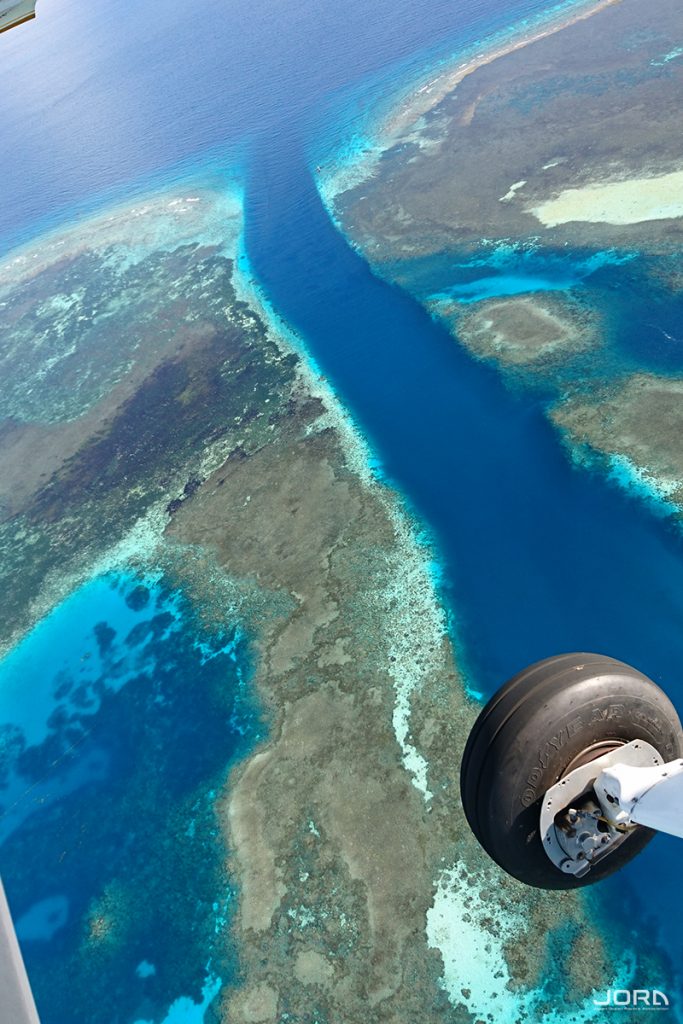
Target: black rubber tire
(527, 735)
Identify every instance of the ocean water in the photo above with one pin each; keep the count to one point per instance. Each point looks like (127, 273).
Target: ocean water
(538, 555)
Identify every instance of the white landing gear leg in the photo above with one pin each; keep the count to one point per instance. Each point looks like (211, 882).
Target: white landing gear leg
(643, 796)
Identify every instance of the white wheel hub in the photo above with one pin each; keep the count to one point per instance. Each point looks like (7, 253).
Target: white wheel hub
(574, 829)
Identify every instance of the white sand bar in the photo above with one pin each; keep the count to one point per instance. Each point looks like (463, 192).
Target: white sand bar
(616, 202)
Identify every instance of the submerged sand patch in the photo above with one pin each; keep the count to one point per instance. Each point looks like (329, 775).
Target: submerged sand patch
(524, 330)
(630, 201)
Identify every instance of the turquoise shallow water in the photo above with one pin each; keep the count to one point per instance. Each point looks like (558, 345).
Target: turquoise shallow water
(507, 270)
(68, 645)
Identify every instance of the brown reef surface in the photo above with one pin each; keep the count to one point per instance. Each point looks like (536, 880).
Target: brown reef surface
(337, 851)
(590, 104)
(640, 421)
(524, 330)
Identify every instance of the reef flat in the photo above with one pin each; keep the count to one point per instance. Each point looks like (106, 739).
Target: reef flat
(520, 331)
(636, 425)
(203, 478)
(581, 117)
(125, 344)
(529, 197)
(362, 894)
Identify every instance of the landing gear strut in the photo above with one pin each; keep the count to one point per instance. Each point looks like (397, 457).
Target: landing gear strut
(570, 768)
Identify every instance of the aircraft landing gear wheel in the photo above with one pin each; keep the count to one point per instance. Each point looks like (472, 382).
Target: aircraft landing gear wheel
(547, 721)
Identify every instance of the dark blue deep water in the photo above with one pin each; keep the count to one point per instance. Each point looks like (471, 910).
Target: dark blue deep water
(539, 556)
